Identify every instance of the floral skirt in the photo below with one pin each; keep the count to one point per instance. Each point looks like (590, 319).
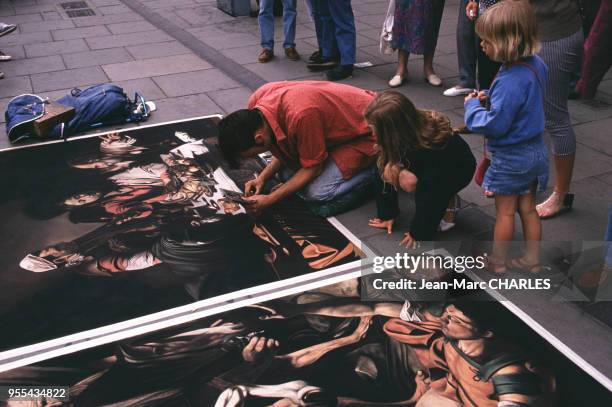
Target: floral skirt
(416, 24)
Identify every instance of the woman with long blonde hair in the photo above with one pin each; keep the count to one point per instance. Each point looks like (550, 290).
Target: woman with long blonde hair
(418, 152)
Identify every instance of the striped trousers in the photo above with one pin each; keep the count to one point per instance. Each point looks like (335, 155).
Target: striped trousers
(563, 57)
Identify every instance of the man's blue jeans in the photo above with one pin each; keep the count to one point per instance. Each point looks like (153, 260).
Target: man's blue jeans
(467, 48)
(324, 28)
(329, 184)
(266, 23)
(335, 27)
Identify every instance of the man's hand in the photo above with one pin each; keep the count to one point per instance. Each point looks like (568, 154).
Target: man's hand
(259, 347)
(257, 203)
(382, 224)
(254, 186)
(409, 241)
(471, 10)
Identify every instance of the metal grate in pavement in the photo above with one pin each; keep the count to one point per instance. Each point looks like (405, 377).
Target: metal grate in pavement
(71, 5)
(80, 13)
(74, 9)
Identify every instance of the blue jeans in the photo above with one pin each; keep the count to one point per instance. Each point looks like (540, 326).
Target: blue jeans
(266, 23)
(344, 28)
(467, 48)
(608, 240)
(335, 27)
(329, 184)
(324, 27)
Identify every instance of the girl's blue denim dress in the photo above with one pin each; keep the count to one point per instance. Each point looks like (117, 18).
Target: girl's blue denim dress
(516, 168)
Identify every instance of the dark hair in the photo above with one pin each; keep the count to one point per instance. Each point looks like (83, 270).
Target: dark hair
(237, 133)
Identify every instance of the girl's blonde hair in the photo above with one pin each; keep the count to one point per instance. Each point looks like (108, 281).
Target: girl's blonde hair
(400, 127)
(510, 27)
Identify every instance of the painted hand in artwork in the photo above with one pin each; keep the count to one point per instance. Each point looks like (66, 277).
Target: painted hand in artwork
(259, 347)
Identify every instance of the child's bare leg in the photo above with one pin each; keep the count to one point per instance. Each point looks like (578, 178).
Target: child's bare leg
(505, 208)
(532, 227)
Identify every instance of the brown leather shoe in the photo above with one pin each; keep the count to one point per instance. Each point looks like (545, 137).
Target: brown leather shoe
(292, 54)
(266, 55)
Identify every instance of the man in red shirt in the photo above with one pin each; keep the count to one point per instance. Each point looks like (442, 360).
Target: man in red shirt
(316, 132)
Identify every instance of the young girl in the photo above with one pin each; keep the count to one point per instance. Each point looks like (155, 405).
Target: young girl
(418, 151)
(511, 116)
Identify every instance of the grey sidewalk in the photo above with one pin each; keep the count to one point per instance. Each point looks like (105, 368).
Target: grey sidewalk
(193, 60)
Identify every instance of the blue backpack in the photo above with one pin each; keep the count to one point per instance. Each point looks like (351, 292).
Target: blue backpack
(97, 106)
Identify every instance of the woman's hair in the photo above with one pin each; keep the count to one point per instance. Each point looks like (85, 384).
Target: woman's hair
(510, 27)
(400, 127)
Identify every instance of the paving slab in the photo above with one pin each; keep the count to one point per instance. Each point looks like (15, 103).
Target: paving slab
(27, 38)
(39, 26)
(82, 32)
(98, 57)
(22, 18)
(158, 49)
(16, 51)
(35, 65)
(55, 48)
(203, 15)
(155, 67)
(112, 10)
(68, 78)
(184, 106)
(231, 100)
(131, 27)
(194, 82)
(112, 19)
(124, 40)
(145, 86)
(15, 86)
(591, 134)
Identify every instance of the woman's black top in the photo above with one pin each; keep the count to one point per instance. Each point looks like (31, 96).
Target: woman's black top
(441, 174)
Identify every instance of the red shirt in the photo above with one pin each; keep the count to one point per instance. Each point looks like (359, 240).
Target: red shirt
(312, 120)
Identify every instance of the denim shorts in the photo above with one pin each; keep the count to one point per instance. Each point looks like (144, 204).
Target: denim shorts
(515, 169)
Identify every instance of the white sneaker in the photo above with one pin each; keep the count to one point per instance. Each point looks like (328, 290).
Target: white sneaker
(397, 80)
(457, 91)
(4, 57)
(433, 80)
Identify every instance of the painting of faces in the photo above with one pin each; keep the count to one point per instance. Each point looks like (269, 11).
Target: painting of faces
(325, 347)
(107, 228)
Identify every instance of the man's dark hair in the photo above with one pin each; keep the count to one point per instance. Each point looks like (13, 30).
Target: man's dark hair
(237, 133)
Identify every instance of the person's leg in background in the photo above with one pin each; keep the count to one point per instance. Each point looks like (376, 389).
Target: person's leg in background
(561, 57)
(5, 29)
(437, 8)
(346, 38)
(487, 69)
(597, 57)
(265, 18)
(467, 50)
(289, 16)
(326, 37)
